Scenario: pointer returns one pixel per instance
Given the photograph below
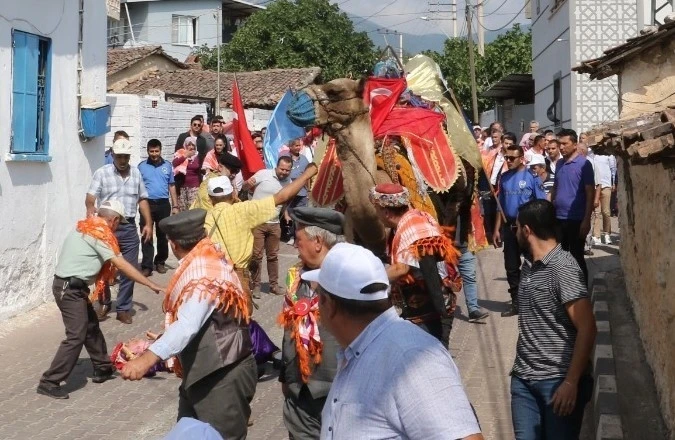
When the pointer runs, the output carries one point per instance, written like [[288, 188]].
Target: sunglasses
[[196, 124], [511, 158]]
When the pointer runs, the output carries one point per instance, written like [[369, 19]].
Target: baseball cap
[[537, 159], [347, 269], [122, 146], [115, 206], [477, 127], [219, 186]]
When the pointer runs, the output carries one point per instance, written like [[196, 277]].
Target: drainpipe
[[131, 28], [80, 39]]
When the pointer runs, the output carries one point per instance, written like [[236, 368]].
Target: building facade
[[566, 32], [45, 168], [179, 26]]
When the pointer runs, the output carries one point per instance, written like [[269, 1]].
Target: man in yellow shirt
[[229, 166], [230, 224]]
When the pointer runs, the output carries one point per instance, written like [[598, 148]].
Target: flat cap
[[324, 218], [186, 225]]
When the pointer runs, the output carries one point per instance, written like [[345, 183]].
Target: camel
[[339, 109]]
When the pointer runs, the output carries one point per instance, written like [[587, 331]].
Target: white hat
[[537, 159], [477, 127], [122, 146], [347, 269], [115, 206], [219, 186]]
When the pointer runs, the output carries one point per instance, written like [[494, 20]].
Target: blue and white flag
[[280, 130]]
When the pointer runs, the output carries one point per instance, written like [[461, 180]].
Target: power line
[[373, 15], [509, 22], [498, 8]]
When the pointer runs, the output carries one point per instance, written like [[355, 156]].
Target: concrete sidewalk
[[146, 410]]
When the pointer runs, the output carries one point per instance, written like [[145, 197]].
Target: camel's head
[[331, 106]]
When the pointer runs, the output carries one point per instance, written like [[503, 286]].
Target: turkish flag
[[380, 95], [243, 142]]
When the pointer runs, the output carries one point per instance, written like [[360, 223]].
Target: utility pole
[[453, 9], [481, 29], [400, 40], [219, 33], [472, 64], [440, 7]]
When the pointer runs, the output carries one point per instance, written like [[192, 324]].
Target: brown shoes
[[279, 291], [160, 268], [124, 317], [146, 272], [102, 312]]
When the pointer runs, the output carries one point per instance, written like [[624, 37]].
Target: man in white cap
[[230, 224], [394, 380], [538, 167], [90, 253], [121, 181]]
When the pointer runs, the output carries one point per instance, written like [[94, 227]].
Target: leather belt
[[73, 282]]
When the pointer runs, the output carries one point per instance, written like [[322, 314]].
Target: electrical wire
[[509, 22], [498, 8], [56, 26], [375, 14]]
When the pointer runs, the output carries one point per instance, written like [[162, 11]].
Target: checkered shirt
[[107, 183]]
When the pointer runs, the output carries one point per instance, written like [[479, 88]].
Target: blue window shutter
[[25, 93]]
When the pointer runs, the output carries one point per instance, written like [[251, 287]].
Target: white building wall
[[598, 25], [256, 118], [155, 24], [551, 57], [41, 201], [137, 116]]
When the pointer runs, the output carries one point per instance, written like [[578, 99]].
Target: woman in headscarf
[[211, 159], [187, 169]]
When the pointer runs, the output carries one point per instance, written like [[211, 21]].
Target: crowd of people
[[365, 346]]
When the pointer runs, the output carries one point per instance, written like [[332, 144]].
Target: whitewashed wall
[[256, 118], [137, 116], [41, 201]]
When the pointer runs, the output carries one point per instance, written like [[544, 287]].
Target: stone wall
[[647, 221], [648, 81]]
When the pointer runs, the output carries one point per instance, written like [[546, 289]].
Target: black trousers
[[82, 329], [573, 243], [489, 205], [302, 415], [159, 210], [222, 399], [512, 261]]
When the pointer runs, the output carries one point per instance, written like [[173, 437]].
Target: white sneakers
[[605, 239]]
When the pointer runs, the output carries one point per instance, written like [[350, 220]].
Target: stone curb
[[607, 420]]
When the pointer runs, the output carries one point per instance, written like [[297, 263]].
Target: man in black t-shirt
[[196, 131]]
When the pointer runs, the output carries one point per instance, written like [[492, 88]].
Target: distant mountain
[[415, 44]]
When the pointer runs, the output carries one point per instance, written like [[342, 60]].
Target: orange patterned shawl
[[97, 228], [206, 271]]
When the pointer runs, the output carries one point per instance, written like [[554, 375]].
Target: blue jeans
[[467, 269], [127, 237], [533, 416]]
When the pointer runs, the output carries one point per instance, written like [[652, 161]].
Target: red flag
[[381, 94], [243, 142]]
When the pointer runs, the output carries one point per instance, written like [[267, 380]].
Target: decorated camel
[[382, 132]]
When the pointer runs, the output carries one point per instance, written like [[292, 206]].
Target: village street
[[146, 410]]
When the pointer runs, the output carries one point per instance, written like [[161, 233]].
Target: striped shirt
[[548, 183], [107, 183], [546, 332]]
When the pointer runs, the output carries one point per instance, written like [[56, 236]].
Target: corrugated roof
[[121, 58], [262, 89], [612, 60]]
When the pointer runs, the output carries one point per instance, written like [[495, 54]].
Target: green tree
[[301, 33], [510, 53]]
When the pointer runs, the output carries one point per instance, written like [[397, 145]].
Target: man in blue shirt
[[517, 186], [158, 179], [300, 163], [573, 196]]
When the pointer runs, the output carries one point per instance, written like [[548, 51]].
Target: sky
[[404, 15]]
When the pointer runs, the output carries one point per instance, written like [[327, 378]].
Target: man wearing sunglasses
[[517, 186], [196, 124]]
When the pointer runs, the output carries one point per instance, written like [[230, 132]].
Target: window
[[30, 94], [184, 30]]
